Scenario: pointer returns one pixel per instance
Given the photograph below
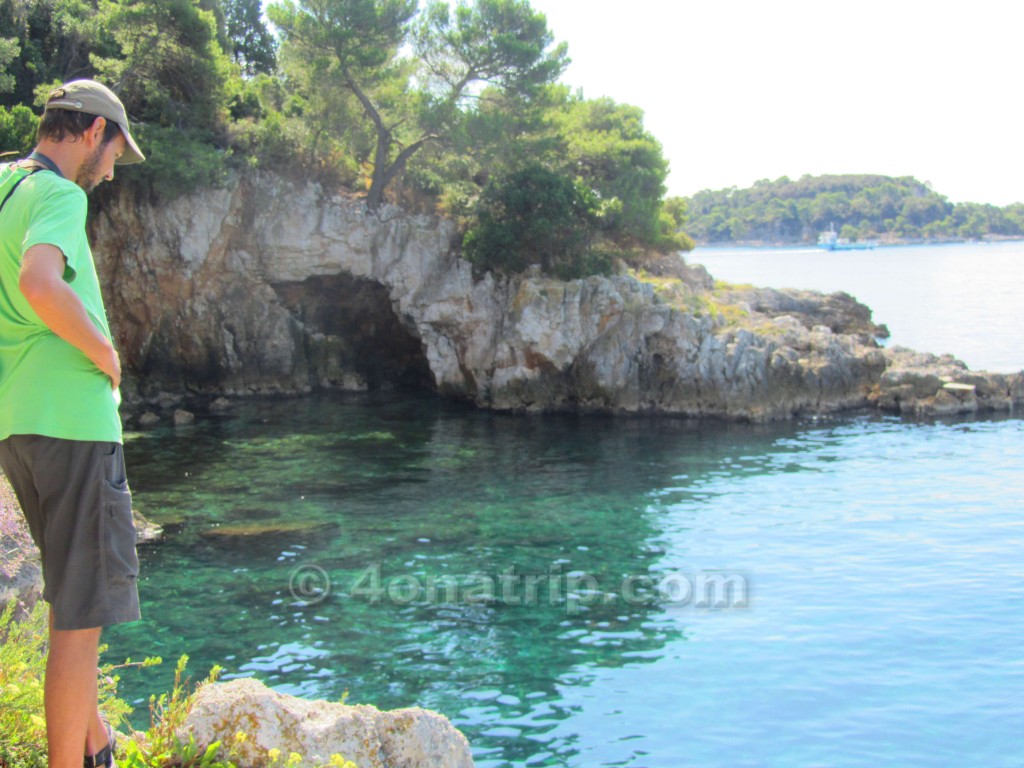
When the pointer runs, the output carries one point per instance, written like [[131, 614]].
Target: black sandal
[[105, 757]]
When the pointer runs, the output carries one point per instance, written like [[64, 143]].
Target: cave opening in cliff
[[354, 337]]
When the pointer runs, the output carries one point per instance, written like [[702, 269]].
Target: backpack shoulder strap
[[15, 186]]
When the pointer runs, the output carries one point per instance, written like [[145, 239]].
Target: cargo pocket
[[121, 562]]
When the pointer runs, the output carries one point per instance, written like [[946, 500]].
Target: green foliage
[[177, 161], [354, 35], [9, 50], [671, 236], [164, 58], [167, 743], [537, 216], [170, 69], [504, 133], [22, 718], [172, 76], [678, 210], [345, 50], [162, 744], [17, 130], [503, 43], [342, 56], [607, 148], [54, 39], [600, 145], [253, 49], [858, 206], [22, 664], [22, 714], [23, 646], [429, 104]]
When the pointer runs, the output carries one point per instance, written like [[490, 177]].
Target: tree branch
[[399, 162], [368, 106]]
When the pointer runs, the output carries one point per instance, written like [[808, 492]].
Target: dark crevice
[[354, 338]]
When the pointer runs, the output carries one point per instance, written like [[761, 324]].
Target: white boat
[[831, 241]]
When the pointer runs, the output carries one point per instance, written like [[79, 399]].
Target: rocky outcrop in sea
[[276, 286]]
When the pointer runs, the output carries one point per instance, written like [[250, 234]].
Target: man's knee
[[65, 644]]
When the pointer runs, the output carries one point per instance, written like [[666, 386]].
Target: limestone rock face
[[839, 312], [370, 738], [274, 286]]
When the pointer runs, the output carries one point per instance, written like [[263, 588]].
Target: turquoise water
[[875, 617], [882, 557]]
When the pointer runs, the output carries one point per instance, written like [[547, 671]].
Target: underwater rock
[[260, 527], [148, 419], [183, 417]]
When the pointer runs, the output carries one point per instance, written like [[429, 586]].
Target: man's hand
[[42, 283], [111, 367]]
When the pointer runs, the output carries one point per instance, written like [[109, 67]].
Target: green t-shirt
[[47, 386]]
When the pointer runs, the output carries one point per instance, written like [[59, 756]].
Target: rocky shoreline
[[270, 286]]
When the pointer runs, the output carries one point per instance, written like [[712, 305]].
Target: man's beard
[[88, 177]]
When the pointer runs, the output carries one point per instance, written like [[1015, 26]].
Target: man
[[60, 434]]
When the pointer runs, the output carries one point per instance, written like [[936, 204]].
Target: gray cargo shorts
[[75, 497]]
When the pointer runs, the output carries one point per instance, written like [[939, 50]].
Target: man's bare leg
[[70, 696], [96, 738]]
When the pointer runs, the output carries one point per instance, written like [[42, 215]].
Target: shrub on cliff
[[607, 147], [537, 216]]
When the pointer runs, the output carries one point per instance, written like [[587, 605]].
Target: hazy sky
[[740, 91]]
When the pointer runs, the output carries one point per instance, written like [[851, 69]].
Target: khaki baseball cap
[[95, 99]]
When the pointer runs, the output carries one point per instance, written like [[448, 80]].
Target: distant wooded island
[[857, 206]]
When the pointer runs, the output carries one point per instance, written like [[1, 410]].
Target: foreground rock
[[272, 286], [402, 738]]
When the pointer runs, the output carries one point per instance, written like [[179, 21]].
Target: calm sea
[[622, 591], [964, 299]]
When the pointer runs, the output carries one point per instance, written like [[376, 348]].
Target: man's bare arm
[[41, 281]]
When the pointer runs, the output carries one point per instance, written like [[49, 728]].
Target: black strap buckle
[[101, 759]]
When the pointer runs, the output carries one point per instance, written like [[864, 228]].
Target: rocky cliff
[[274, 286]]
